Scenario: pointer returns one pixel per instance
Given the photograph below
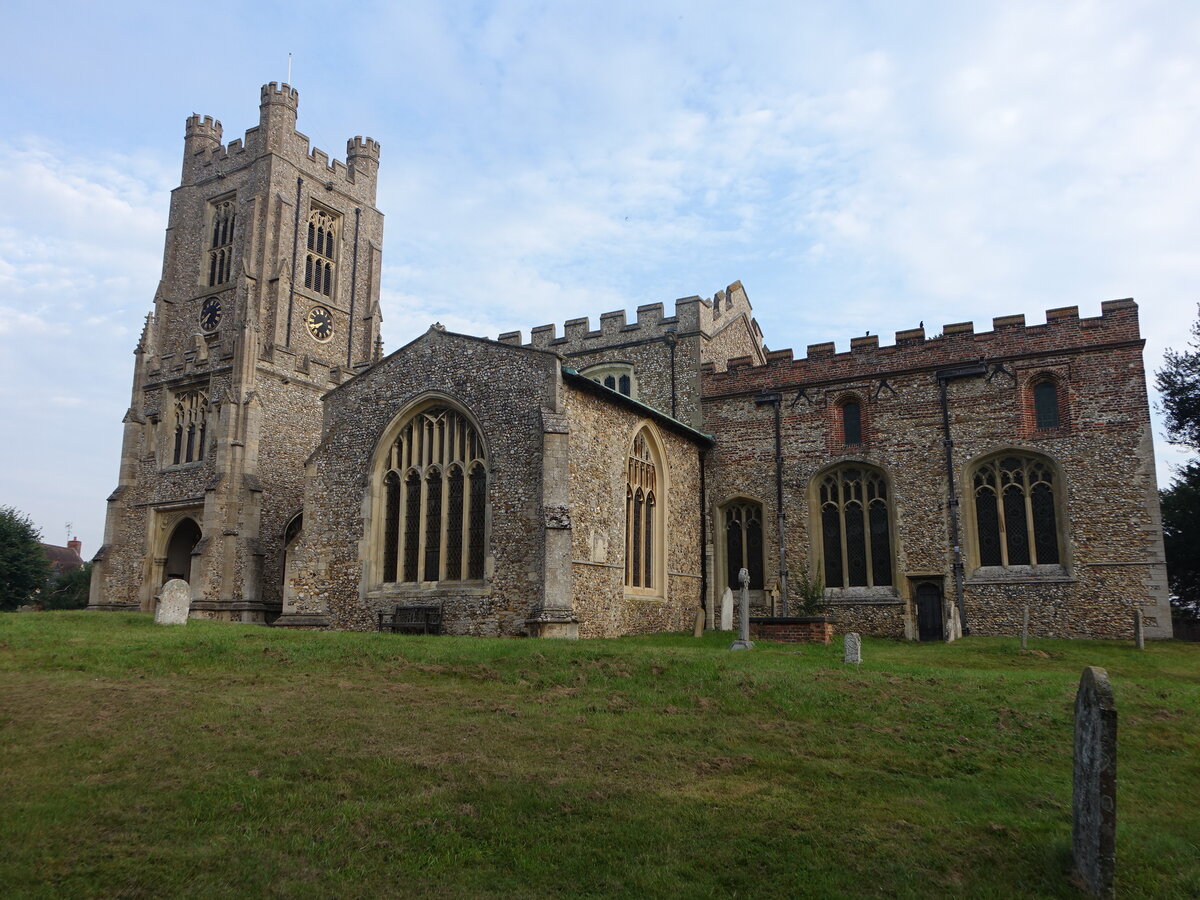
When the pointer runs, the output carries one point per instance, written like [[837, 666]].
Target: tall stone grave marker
[[1094, 806], [743, 642], [852, 644], [727, 610], [1139, 635], [174, 603]]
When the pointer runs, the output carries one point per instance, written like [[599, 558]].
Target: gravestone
[[743, 642], [1094, 802], [1025, 628], [174, 603], [852, 644], [727, 610], [1139, 636]]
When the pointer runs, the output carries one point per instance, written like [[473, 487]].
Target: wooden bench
[[412, 620]]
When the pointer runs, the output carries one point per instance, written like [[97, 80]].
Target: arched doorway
[[929, 611], [179, 551]]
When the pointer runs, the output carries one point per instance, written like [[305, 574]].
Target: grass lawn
[[226, 760]]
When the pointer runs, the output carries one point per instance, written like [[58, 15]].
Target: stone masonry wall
[[1102, 454], [601, 436], [504, 390]]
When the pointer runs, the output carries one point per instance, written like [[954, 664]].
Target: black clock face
[[320, 323], [210, 314]]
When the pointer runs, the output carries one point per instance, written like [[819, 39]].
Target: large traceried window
[[643, 516], [220, 246], [855, 512], [1016, 523], [322, 252], [743, 542], [191, 427], [435, 500]]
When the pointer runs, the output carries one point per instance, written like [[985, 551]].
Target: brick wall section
[[1103, 454], [601, 436]]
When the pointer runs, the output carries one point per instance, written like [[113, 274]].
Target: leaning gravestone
[[1139, 635], [1094, 806], [727, 610], [853, 648], [174, 603]]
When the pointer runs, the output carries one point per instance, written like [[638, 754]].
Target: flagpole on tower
[[289, 81]]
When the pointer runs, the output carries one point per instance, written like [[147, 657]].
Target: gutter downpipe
[[703, 541], [944, 376], [775, 399]]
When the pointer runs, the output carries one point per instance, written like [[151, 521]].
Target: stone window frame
[[323, 232], [220, 221], [645, 471], [1007, 571], [188, 434], [817, 561], [722, 544], [379, 499], [602, 373]]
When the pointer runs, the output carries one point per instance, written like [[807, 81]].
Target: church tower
[[269, 298]]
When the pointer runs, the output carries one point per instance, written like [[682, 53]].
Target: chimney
[[77, 546]]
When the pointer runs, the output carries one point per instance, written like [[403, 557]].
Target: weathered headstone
[[1139, 636], [852, 644], [1094, 804], [173, 603], [727, 610], [1025, 628], [698, 627], [743, 642]]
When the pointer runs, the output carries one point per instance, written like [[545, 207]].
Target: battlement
[[282, 94], [692, 314], [360, 146], [203, 126], [958, 342]]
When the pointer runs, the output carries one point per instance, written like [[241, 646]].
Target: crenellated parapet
[[205, 157], [957, 343]]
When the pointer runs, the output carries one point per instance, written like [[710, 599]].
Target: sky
[[859, 166]]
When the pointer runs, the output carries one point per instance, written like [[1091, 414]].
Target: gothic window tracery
[[1016, 521], [435, 500], [191, 427], [742, 520], [855, 533], [322, 252], [643, 513], [617, 377], [220, 246]]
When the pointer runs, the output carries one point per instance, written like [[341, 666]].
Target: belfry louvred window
[[642, 512], [322, 252], [1015, 519], [856, 546], [435, 500], [220, 246]]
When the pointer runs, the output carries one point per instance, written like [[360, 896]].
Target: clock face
[[210, 314], [320, 323]]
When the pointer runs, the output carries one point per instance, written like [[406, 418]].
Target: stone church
[[608, 480]]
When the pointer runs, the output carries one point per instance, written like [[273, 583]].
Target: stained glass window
[[1015, 519]]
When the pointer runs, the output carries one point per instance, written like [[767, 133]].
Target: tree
[[68, 590], [23, 565], [1178, 382], [1181, 535]]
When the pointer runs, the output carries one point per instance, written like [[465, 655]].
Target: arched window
[[851, 422], [220, 247], [643, 516], [191, 427], [617, 377], [1045, 404], [1016, 522], [434, 500], [855, 534], [742, 521], [322, 252]]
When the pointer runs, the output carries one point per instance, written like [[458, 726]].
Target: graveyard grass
[[224, 760]]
